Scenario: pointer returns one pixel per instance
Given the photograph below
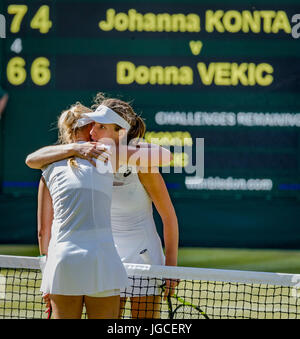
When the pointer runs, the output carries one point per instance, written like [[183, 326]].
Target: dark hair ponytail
[[138, 129]]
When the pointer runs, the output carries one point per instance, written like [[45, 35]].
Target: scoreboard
[[226, 73]]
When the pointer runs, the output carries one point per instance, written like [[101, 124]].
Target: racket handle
[[49, 311], [145, 256]]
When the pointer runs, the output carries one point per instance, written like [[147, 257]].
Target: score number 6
[[40, 72]]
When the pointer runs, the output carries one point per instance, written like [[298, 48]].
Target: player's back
[[81, 199]]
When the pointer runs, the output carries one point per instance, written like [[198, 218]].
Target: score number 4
[[40, 72], [40, 21]]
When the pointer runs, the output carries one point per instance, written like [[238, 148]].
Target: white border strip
[[11, 261], [206, 274], [176, 272]]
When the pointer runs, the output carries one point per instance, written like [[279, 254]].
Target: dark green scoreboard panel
[[228, 72]]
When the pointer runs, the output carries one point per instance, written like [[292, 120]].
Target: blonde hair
[[67, 121], [66, 125], [124, 109]]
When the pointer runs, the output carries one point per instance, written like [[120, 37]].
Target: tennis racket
[[49, 311], [186, 310]]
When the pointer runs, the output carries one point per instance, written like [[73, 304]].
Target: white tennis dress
[[132, 221], [82, 258]]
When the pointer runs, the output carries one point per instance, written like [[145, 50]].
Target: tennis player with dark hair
[[134, 191]]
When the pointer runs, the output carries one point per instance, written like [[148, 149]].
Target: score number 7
[[40, 20]]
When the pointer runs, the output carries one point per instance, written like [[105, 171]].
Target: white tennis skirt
[[72, 270]]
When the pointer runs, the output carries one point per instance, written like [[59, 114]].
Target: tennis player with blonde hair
[[134, 191], [83, 266]]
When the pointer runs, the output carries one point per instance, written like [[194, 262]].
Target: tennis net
[[200, 293]]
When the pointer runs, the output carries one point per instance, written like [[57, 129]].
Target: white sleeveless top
[[132, 220], [82, 258]]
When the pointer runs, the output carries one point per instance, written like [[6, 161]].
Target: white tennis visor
[[105, 115], [82, 122]]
